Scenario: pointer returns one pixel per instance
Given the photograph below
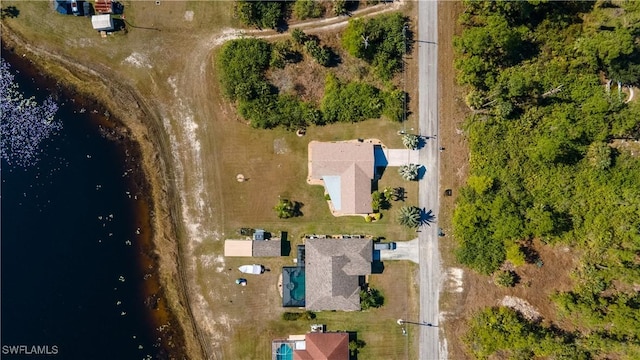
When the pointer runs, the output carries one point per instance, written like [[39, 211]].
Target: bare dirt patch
[[522, 306], [630, 146]]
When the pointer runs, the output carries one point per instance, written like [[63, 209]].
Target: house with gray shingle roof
[[346, 169], [335, 269]]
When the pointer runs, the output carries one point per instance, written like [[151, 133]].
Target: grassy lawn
[[270, 175], [239, 322], [259, 302], [256, 309]]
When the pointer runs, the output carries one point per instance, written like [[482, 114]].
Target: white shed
[[102, 22]]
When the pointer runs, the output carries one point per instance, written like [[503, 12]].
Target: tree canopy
[[502, 330], [262, 14], [244, 62], [242, 65], [380, 41], [547, 162], [356, 101], [304, 9]]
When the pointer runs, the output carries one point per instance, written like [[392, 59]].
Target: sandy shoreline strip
[[144, 128]]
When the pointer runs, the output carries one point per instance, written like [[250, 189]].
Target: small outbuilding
[[102, 22], [242, 248], [267, 248]]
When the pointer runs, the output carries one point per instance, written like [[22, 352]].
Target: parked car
[[384, 246], [74, 8]]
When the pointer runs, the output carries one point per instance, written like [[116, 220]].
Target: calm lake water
[[71, 263]]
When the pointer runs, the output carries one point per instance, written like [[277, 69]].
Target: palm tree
[[409, 172], [287, 209], [411, 141], [409, 216]]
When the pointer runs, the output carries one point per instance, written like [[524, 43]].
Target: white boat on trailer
[[252, 269]]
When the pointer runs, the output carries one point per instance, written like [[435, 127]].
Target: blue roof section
[[379, 158], [332, 184], [258, 234], [62, 6]]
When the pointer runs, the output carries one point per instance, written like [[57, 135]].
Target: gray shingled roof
[[333, 269], [267, 248]]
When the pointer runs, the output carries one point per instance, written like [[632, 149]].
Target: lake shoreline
[[128, 122]]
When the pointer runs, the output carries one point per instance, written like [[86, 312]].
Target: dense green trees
[[528, 161], [311, 45], [270, 111], [304, 9], [394, 105], [502, 330], [351, 102], [262, 14], [321, 54], [355, 101], [484, 50], [242, 65], [545, 163], [340, 7], [379, 41]]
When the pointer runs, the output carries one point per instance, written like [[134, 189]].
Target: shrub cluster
[[311, 44], [356, 101], [292, 316], [262, 14], [506, 332], [243, 63], [380, 41]]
